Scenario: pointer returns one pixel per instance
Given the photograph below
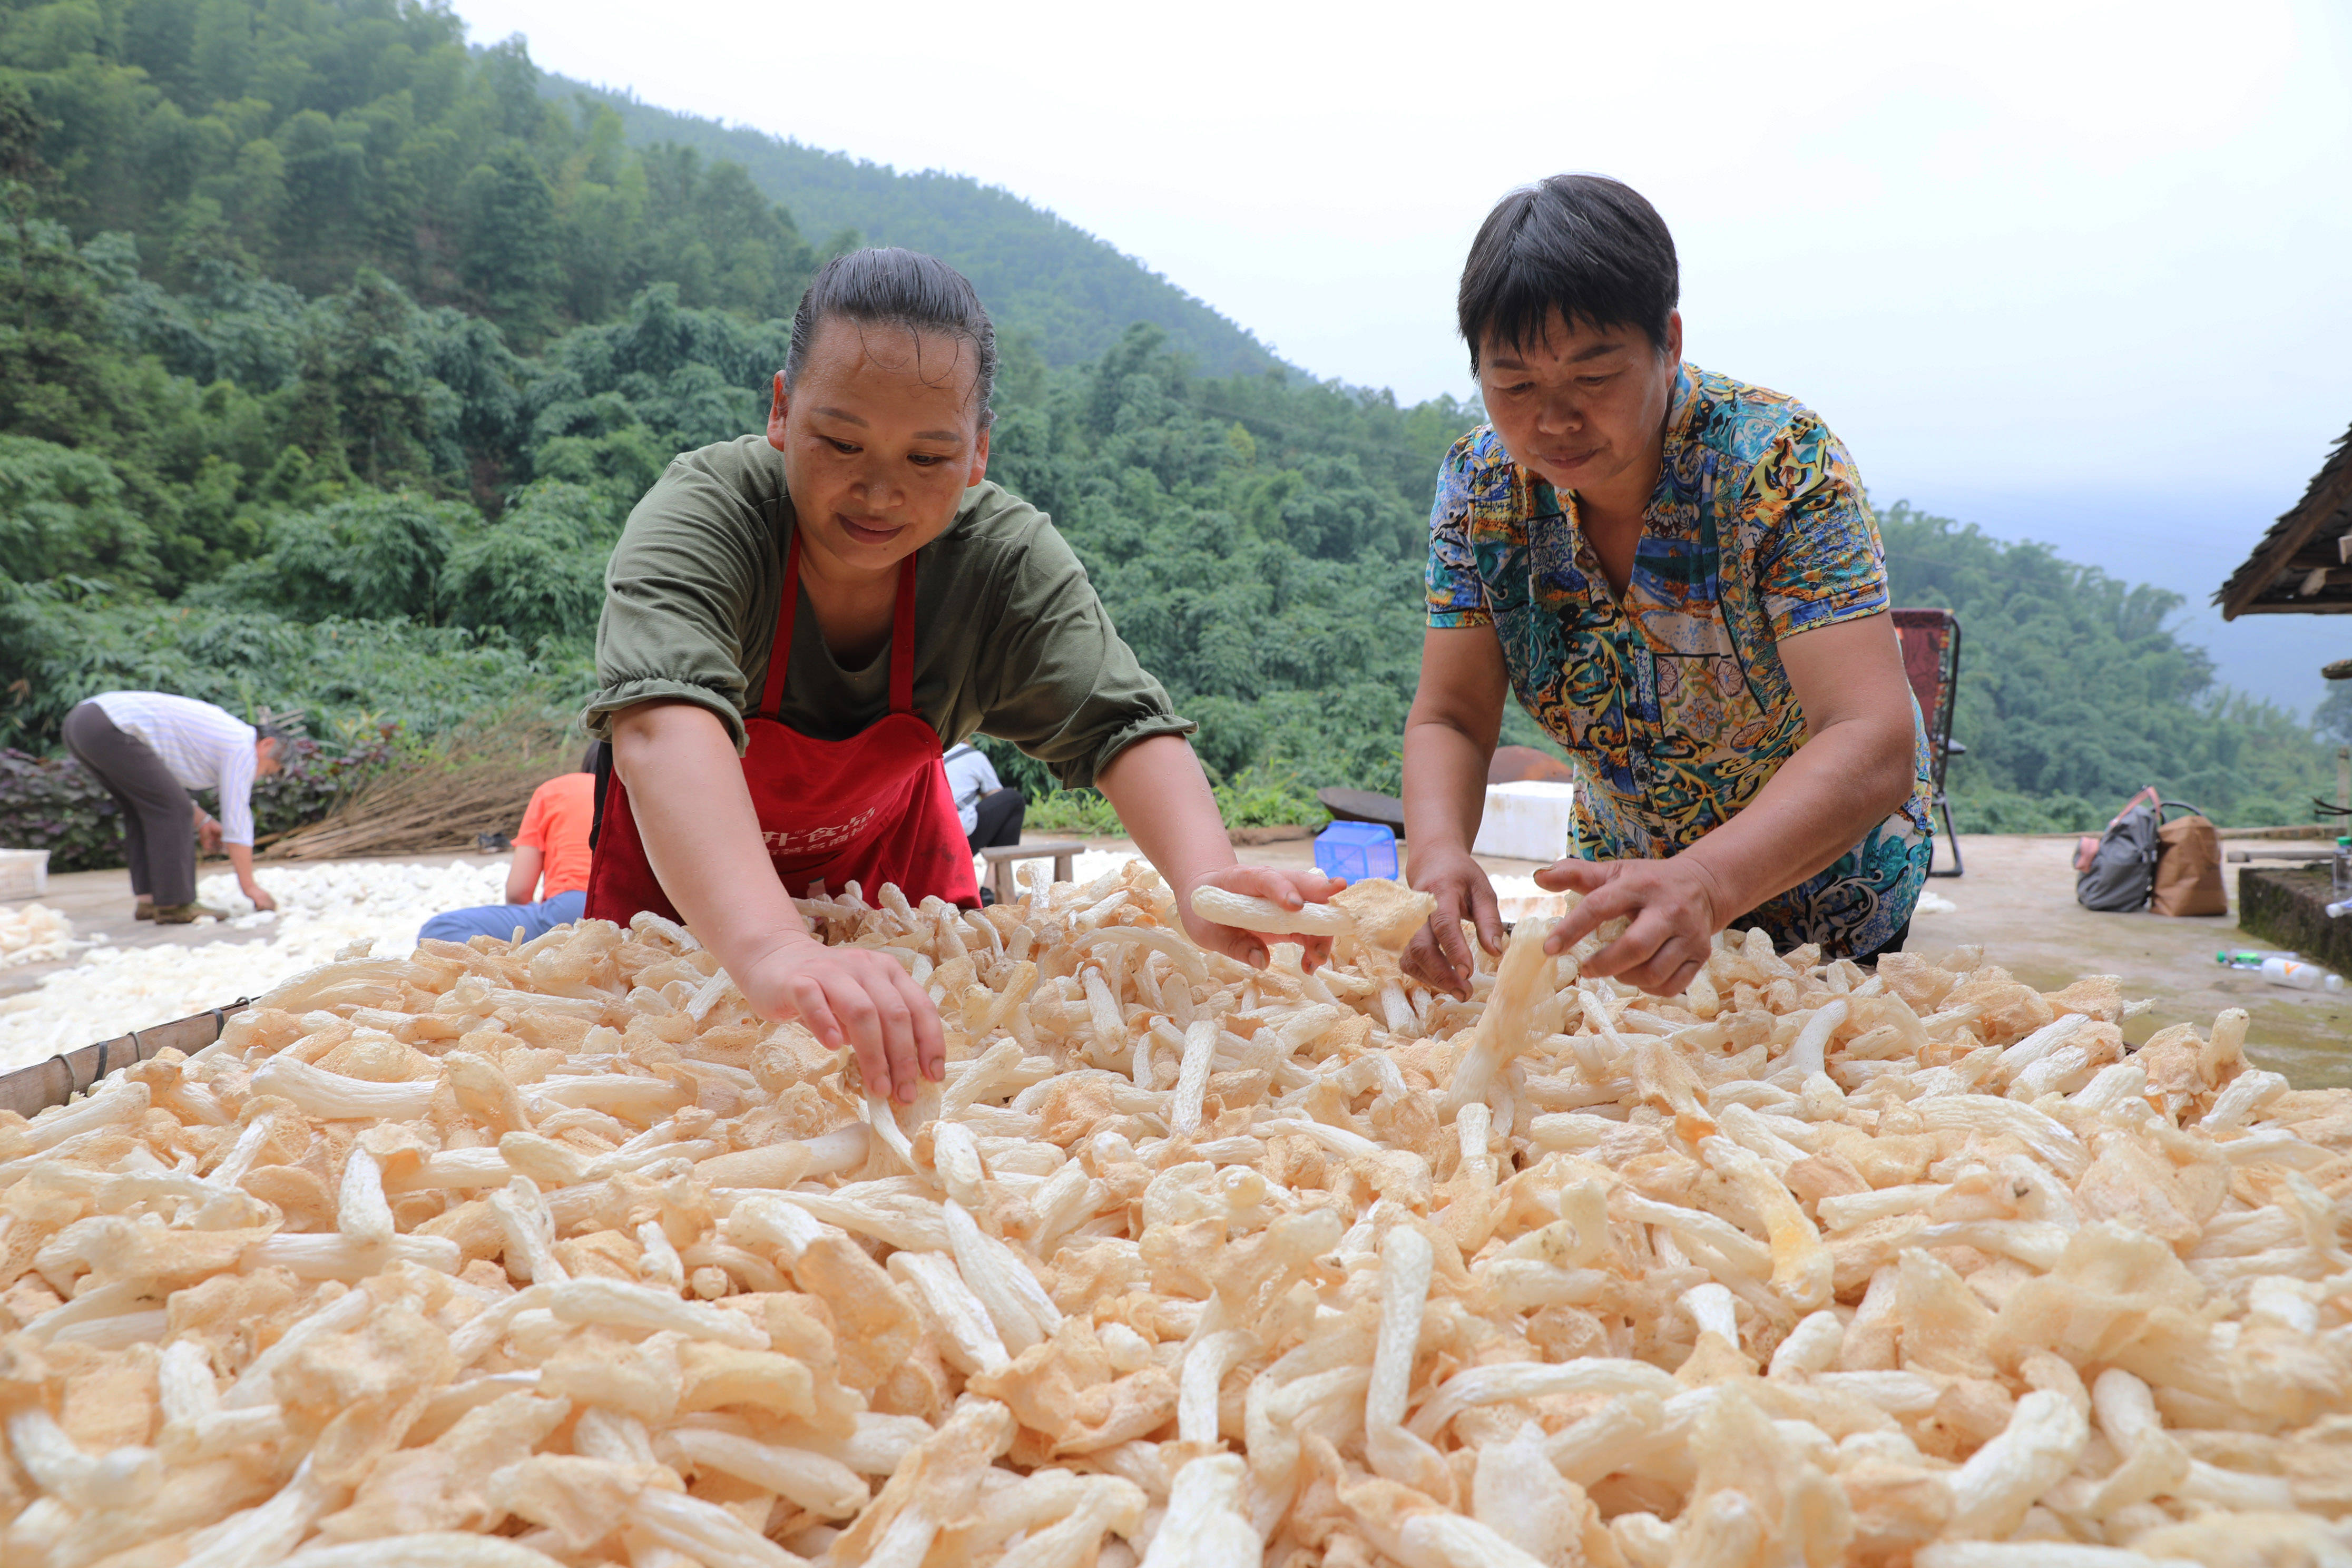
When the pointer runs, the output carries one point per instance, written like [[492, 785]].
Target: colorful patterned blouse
[[1673, 706]]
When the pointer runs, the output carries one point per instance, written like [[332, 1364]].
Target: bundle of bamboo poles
[[472, 780]]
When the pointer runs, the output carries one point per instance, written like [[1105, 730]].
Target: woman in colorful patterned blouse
[[1680, 580]]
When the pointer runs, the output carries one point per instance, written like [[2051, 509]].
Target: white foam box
[[1527, 822], [1518, 898], [24, 873]]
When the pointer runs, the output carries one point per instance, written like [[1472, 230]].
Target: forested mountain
[[310, 138], [332, 355], [2073, 694], [1071, 291], [307, 139]]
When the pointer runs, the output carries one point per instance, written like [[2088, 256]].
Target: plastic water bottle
[[2298, 976], [2339, 909], [2245, 958]]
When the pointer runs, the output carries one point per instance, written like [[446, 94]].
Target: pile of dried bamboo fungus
[[491, 1257]]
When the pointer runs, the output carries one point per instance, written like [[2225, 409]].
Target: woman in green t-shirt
[[832, 604]]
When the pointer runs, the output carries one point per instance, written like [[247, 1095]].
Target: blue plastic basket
[[1354, 851]]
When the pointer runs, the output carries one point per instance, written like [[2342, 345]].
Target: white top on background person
[[969, 776], [204, 747]]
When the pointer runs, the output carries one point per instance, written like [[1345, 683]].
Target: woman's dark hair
[[1584, 246], [896, 287]]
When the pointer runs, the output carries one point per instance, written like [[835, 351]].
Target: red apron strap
[[902, 639], [779, 655], [902, 642]]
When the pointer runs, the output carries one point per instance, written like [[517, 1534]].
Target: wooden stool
[[1063, 852]]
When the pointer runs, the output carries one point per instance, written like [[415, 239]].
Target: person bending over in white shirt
[[150, 749]]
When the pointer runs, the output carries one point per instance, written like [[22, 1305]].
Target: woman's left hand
[[1291, 889], [1675, 907]]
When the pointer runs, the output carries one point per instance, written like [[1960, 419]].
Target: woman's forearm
[[701, 832], [1820, 802], [1162, 795], [1449, 737], [1445, 785]]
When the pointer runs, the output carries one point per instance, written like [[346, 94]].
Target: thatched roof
[[2303, 564]]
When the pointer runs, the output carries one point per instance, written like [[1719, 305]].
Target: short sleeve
[[678, 592], [1819, 558], [532, 834], [1457, 596], [1059, 682]]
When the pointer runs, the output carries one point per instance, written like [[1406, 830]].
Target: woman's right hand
[[852, 998], [1438, 955]]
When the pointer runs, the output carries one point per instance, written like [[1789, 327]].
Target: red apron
[[871, 809]]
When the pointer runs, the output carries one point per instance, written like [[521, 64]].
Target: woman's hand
[[853, 997], [1439, 956], [1291, 889], [259, 895], [1676, 907]]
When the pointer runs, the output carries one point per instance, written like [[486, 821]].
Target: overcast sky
[[2075, 271]]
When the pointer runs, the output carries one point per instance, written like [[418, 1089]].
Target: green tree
[[538, 576], [374, 557], [53, 361], [509, 250], [62, 514]]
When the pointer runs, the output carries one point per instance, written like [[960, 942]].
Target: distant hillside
[[1038, 272]]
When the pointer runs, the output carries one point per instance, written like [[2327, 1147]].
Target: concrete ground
[[98, 904], [2017, 901]]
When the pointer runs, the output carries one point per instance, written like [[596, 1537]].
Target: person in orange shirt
[[550, 860]]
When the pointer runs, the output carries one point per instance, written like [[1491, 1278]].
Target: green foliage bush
[[1269, 798], [421, 677], [1263, 798], [55, 804], [539, 575], [372, 557], [1080, 811]]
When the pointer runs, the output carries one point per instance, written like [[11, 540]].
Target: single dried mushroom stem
[[1244, 912], [558, 1254], [1382, 912]]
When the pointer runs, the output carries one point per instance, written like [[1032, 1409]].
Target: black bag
[[2116, 876]]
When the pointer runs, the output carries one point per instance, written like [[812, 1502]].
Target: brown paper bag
[[2189, 869]]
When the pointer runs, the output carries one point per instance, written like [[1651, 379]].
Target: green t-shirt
[[1010, 639]]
